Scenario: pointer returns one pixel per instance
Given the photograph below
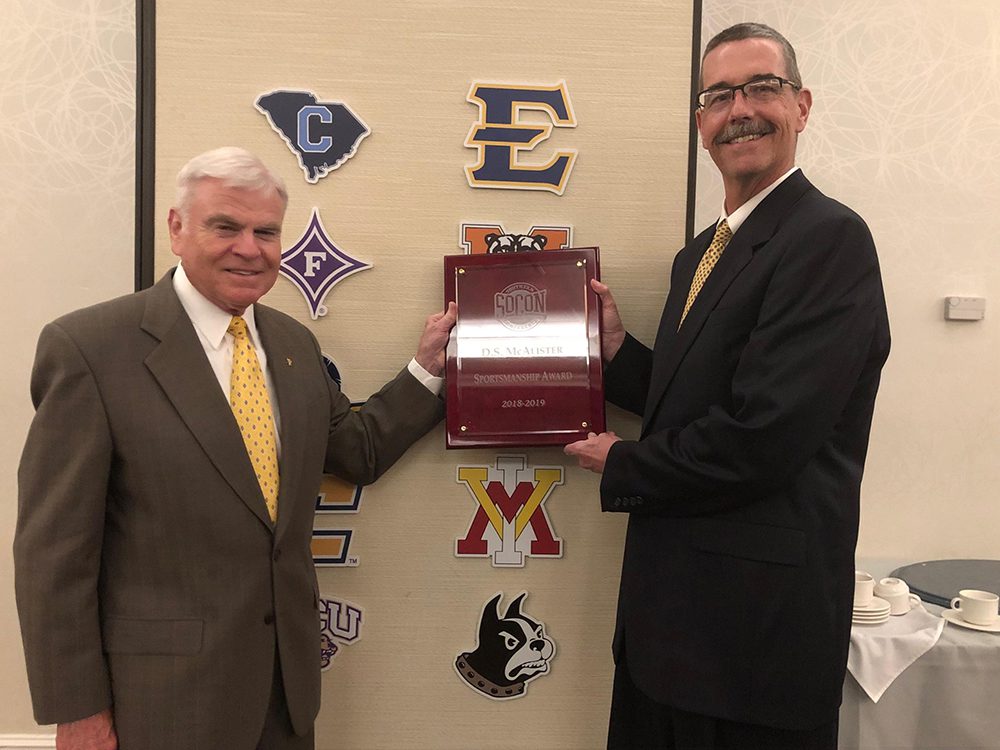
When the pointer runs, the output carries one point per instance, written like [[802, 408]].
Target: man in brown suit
[[161, 606]]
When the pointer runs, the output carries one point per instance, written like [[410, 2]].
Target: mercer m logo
[[510, 521], [487, 239], [502, 135]]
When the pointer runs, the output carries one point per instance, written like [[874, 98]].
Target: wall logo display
[[331, 547], [337, 496], [501, 136], [510, 521], [511, 651], [339, 624], [315, 265], [483, 239], [323, 135]]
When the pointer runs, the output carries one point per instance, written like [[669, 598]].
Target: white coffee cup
[[900, 604], [977, 607], [897, 593], [864, 588], [891, 587]]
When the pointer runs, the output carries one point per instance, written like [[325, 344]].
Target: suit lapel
[[672, 345], [179, 365]]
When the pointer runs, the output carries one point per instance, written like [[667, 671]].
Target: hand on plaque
[[613, 332], [430, 350], [592, 453]]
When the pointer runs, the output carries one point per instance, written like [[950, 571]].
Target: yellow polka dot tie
[[252, 409], [706, 264]]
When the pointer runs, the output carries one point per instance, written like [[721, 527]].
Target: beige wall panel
[[67, 110], [405, 68]]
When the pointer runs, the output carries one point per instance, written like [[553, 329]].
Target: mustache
[[743, 128]]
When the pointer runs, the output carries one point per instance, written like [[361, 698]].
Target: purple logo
[[315, 265], [339, 621]]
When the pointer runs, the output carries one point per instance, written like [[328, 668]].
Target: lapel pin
[[289, 361]]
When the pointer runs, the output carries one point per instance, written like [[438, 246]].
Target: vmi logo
[[479, 239], [501, 134], [510, 521]]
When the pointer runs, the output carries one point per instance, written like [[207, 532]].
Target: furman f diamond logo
[[510, 521], [315, 265]]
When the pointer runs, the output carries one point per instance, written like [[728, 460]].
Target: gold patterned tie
[[706, 264], [252, 409]]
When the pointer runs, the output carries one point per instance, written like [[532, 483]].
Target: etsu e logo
[[501, 136]]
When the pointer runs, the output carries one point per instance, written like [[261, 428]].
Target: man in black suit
[[734, 611]]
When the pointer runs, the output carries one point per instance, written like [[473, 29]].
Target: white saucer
[[872, 621], [955, 618], [876, 606]]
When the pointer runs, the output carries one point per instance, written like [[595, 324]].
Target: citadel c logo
[[322, 135], [500, 135], [510, 501]]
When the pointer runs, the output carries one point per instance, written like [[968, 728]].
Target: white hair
[[235, 167]]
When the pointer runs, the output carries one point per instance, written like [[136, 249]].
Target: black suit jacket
[[743, 489]]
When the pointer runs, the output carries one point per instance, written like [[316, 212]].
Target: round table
[[939, 581]]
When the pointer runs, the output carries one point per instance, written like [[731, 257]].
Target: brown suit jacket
[[148, 574]]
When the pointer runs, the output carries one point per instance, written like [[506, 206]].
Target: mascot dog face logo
[[514, 243], [512, 651]]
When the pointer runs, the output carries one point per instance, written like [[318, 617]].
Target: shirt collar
[[212, 322], [737, 217]]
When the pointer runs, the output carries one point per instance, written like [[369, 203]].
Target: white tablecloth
[[948, 699]]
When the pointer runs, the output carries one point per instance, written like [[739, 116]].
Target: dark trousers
[[640, 723], [278, 733]]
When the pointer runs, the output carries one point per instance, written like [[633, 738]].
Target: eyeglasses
[[758, 90]]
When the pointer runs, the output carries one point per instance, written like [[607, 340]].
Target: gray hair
[[742, 31], [235, 167]]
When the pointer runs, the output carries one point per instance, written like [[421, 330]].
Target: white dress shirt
[[737, 217]]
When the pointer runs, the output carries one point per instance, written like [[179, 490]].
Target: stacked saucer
[[873, 613]]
